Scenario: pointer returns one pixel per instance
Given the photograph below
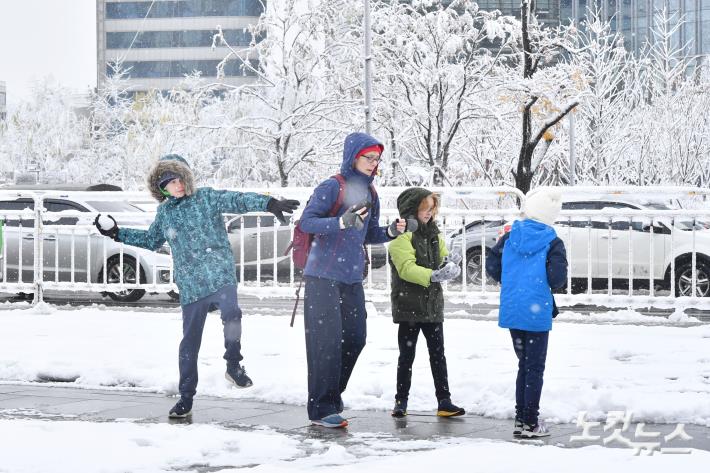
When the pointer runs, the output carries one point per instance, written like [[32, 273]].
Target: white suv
[[645, 241], [590, 236]]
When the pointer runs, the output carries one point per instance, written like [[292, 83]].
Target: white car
[[590, 237], [645, 241], [57, 245]]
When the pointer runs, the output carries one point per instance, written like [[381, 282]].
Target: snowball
[[105, 222]]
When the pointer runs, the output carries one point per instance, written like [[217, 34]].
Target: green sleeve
[[150, 239], [443, 251], [405, 261]]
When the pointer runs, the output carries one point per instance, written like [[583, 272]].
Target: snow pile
[[591, 367]]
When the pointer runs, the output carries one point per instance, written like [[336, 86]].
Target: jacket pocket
[[412, 298]]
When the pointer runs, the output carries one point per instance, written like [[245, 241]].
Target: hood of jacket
[[408, 207], [530, 236], [174, 163], [355, 142]]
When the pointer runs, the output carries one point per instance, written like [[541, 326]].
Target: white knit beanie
[[543, 204]]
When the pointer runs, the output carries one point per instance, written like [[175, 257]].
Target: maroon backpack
[[300, 246]]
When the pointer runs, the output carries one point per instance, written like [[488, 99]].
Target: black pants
[[407, 336]]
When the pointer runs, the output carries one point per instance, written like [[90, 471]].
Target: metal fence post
[[39, 252]]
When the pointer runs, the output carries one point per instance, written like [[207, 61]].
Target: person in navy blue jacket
[[334, 301], [529, 262]]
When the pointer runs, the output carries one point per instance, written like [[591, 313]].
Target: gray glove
[[453, 257], [412, 225], [352, 219], [449, 271]]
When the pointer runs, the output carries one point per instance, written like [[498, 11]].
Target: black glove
[[112, 232], [278, 207], [412, 225], [353, 219]]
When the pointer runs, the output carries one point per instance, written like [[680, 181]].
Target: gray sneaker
[[518, 427], [535, 431]]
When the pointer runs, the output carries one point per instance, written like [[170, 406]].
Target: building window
[[184, 8], [158, 69], [174, 39]]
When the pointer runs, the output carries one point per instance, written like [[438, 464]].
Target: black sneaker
[[518, 427], [237, 375], [447, 409], [182, 409], [400, 409]]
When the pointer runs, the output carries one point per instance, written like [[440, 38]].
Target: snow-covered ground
[[660, 373], [71, 447]]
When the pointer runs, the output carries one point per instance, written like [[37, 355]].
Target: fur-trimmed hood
[[176, 164]]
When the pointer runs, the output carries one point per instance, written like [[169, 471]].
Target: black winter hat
[[166, 177]]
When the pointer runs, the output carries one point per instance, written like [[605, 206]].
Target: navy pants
[[531, 350], [407, 336], [335, 323], [193, 323]]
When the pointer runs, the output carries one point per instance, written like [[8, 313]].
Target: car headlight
[[164, 250]]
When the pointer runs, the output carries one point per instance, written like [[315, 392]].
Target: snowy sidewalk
[[33, 401], [93, 386]]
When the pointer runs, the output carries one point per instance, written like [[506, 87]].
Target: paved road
[[60, 403]]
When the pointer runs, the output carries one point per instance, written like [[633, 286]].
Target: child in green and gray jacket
[[420, 262]]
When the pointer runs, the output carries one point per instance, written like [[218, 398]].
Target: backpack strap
[[298, 298], [341, 195]]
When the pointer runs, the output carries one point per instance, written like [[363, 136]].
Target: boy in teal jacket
[[191, 221]]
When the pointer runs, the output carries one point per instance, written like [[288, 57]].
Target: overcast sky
[[47, 38]]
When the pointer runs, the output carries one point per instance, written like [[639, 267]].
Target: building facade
[[159, 42], [632, 18], [635, 18], [546, 11]]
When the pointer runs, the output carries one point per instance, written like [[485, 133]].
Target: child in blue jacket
[[334, 302], [529, 262]]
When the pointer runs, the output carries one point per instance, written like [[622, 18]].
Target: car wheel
[[684, 279], [113, 276], [474, 267], [579, 286]]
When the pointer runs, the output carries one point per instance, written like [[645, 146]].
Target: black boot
[[400, 409], [447, 409]]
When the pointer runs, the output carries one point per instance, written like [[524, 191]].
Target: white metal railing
[[618, 257]]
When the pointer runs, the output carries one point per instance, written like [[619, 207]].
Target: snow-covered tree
[[605, 106], [294, 108], [437, 63], [547, 94], [44, 134]]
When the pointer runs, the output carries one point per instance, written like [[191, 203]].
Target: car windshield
[[113, 206]]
